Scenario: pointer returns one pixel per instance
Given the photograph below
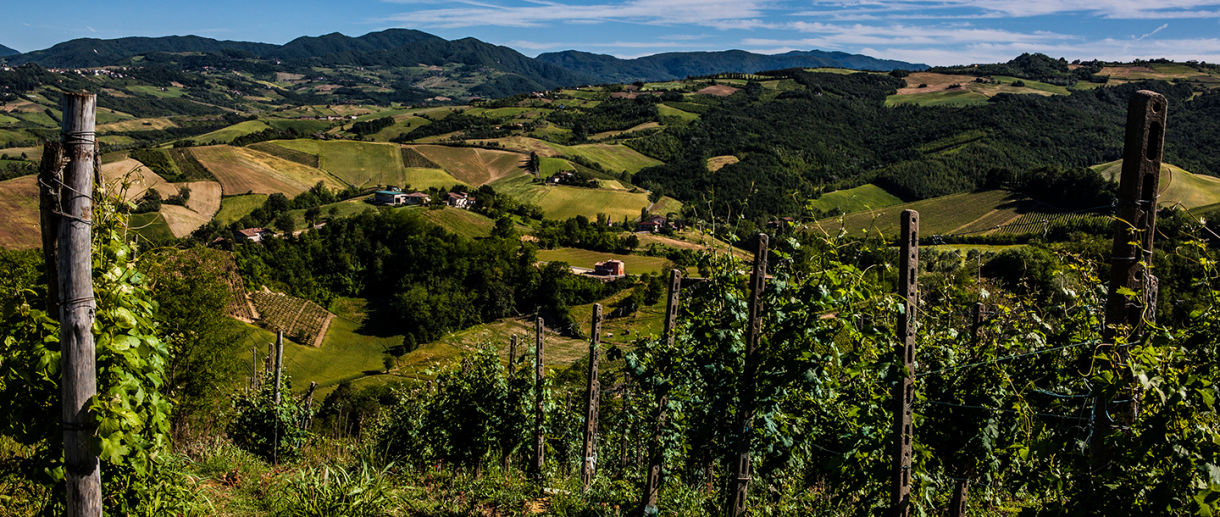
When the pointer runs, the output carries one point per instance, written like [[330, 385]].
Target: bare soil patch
[[935, 82], [716, 163], [718, 90]]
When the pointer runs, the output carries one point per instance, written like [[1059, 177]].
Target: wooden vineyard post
[[1138, 190], [741, 483], [591, 404], [50, 190], [976, 324], [904, 389], [253, 367], [652, 483], [76, 304], [307, 419], [539, 407]]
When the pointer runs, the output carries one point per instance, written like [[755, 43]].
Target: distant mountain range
[[404, 47], [679, 65]]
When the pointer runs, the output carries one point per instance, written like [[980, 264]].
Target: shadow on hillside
[[379, 319]]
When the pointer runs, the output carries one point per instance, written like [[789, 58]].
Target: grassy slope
[[241, 170], [672, 111], [976, 211], [950, 98], [151, 226], [1178, 186], [234, 208], [864, 197], [19, 204], [562, 202], [462, 222], [358, 163], [636, 264], [226, 135], [613, 157]]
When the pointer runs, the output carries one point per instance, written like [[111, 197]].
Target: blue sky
[[934, 32]]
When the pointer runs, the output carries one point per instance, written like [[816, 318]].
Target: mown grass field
[[941, 98], [675, 112], [473, 166], [563, 202], [135, 124], [716, 163], [342, 209], [232, 209], [1178, 186], [613, 157], [19, 204], [357, 163], [975, 212], [462, 222], [151, 226], [864, 197], [636, 264], [226, 135], [242, 170]]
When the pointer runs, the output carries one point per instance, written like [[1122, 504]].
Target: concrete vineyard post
[[904, 389], [1134, 231], [539, 401], [591, 404], [745, 436], [656, 455]]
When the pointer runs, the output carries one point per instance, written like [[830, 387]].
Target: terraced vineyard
[[301, 320], [239, 304], [1044, 222], [412, 158]]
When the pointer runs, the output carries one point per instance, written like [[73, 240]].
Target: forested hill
[[5, 51], [679, 65], [836, 131], [392, 48], [91, 52]]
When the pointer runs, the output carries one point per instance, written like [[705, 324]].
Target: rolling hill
[[5, 51], [679, 65], [1178, 187]]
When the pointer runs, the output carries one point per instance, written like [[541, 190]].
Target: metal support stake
[[745, 435], [904, 389]]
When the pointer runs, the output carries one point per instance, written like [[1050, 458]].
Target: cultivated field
[[200, 208], [137, 124], [141, 178], [474, 166], [19, 204], [614, 157], [462, 222], [671, 111], [232, 209], [301, 320], [241, 170], [716, 163], [938, 93], [357, 163]]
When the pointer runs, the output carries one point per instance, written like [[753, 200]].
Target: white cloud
[[712, 13], [923, 9]]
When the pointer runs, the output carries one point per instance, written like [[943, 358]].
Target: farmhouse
[[652, 224], [398, 198], [458, 199], [610, 268], [253, 235]]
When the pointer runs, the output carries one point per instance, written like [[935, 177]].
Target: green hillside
[[864, 197], [1178, 186], [563, 202]]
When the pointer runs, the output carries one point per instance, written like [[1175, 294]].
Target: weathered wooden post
[[904, 389], [656, 455], [591, 403], [76, 304], [745, 435], [307, 419], [977, 317], [50, 206], [253, 367], [1131, 255], [539, 401]]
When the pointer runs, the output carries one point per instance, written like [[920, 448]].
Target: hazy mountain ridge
[[5, 51], [679, 65]]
